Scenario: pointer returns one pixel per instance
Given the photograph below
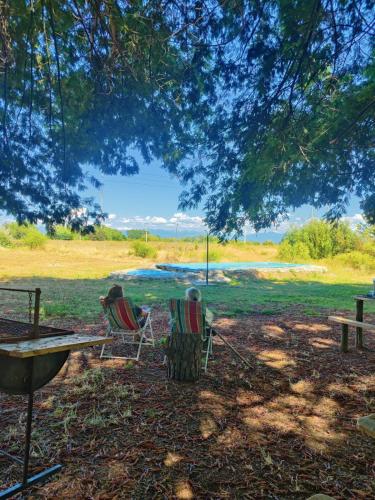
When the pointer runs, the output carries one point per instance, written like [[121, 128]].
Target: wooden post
[[359, 331], [344, 338], [184, 356]]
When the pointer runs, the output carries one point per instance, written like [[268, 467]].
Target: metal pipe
[[28, 424], [35, 332], [234, 350], [11, 457], [207, 241]]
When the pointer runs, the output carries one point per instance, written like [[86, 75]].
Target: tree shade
[[256, 106]]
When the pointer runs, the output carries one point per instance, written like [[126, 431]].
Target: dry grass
[[72, 274], [96, 259]]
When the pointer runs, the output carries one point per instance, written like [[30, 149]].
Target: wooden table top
[[46, 345], [364, 298]]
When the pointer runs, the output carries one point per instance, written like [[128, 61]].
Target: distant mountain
[[260, 237]]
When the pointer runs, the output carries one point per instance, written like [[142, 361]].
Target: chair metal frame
[[125, 333], [209, 351]]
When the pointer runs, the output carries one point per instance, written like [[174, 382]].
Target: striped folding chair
[[189, 317], [123, 322]]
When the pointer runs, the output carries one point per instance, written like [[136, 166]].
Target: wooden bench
[[346, 322]]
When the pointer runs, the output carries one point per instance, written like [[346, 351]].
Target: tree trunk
[[184, 356]]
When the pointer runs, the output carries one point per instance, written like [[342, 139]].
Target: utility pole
[[207, 245]]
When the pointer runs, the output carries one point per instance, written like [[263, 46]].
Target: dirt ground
[[284, 429]]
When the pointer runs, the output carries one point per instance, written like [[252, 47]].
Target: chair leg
[[151, 332], [108, 334], [102, 351], [140, 344], [207, 354]]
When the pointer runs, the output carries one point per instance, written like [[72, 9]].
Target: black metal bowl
[[15, 372]]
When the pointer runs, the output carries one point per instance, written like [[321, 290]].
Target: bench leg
[[344, 338], [359, 331]]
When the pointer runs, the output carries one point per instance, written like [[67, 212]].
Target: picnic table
[[360, 299], [358, 323]]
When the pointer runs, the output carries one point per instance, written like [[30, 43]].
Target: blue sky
[[149, 200]]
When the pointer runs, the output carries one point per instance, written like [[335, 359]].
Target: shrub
[[369, 248], [357, 260], [214, 255], [26, 234], [104, 233], [17, 231], [344, 239], [62, 233], [322, 239], [34, 239], [136, 234], [144, 250], [293, 253], [5, 240]]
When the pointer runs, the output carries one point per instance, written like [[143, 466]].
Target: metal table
[[30, 356]]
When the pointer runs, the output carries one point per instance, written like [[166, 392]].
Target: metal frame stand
[[27, 482]]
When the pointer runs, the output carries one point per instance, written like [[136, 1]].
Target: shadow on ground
[[285, 429]]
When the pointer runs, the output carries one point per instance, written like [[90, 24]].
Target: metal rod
[[234, 350], [28, 423], [11, 457], [207, 242], [18, 290], [35, 332]]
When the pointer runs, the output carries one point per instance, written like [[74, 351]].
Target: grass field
[[72, 274]]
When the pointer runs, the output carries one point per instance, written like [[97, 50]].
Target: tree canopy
[[88, 83], [295, 122], [256, 106]]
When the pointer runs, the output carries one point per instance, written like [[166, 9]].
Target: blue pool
[[153, 273], [197, 269], [226, 266]]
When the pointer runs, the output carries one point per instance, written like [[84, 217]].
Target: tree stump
[[184, 356]]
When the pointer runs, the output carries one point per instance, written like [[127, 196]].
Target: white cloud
[[179, 219], [111, 216], [354, 220]]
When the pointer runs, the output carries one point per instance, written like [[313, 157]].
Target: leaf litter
[[285, 429]]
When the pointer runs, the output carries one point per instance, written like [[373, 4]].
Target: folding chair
[[123, 322], [189, 317]]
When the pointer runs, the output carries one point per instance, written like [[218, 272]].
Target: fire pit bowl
[[15, 372], [30, 356]]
